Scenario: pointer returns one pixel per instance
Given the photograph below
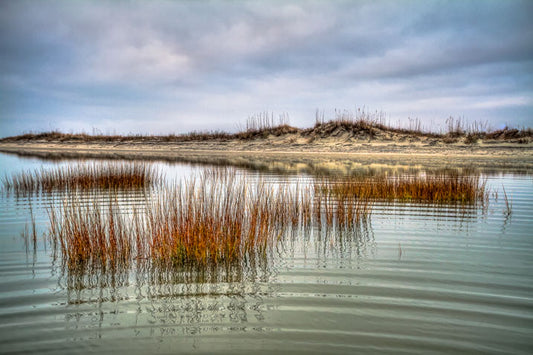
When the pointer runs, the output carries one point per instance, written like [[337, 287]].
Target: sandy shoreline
[[271, 155]]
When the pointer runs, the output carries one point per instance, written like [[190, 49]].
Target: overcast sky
[[178, 66]]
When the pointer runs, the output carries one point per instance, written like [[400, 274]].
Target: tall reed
[[220, 218], [91, 235], [508, 204]]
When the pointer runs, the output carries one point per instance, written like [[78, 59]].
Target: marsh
[[410, 274]]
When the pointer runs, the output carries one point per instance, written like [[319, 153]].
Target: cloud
[[180, 65]]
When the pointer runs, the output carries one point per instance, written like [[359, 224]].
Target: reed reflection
[[326, 244], [151, 300]]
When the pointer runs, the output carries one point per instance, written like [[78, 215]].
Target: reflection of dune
[[327, 158]]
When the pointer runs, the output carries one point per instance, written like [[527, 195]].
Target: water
[[417, 279]]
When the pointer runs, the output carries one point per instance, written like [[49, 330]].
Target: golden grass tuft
[[218, 219], [221, 219], [83, 176], [90, 234], [431, 187]]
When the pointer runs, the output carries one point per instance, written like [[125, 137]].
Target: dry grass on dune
[[361, 125]]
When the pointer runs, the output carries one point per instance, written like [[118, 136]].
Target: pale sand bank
[[266, 154]]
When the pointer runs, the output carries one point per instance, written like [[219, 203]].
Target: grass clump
[[215, 220], [439, 187], [220, 218], [110, 175], [89, 235]]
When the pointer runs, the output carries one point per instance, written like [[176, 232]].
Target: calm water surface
[[416, 279]]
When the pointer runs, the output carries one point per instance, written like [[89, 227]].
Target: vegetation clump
[[110, 175], [218, 219], [222, 219], [437, 187], [361, 124]]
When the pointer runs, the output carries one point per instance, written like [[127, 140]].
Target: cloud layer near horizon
[[177, 66]]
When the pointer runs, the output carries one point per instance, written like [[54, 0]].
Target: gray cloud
[[164, 66]]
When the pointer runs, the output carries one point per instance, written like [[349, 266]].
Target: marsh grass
[[110, 175], [219, 218], [90, 235], [219, 221], [431, 187], [216, 220]]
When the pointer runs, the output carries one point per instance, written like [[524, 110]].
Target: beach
[[294, 152]]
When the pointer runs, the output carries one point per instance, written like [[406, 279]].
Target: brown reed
[[432, 187], [90, 235], [508, 204], [334, 208], [83, 176], [219, 218]]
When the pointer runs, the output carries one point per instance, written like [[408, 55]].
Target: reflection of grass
[[83, 176], [440, 187]]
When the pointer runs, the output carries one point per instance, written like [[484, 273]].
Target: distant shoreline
[[332, 145], [266, 155]]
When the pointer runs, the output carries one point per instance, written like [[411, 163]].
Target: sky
[[161, 67]]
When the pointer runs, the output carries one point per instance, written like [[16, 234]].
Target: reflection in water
[[325, 164], [326, 244], [190, 300], [322, 244], [170, 301]]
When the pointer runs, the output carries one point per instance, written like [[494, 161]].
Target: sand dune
[[329, 146]]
